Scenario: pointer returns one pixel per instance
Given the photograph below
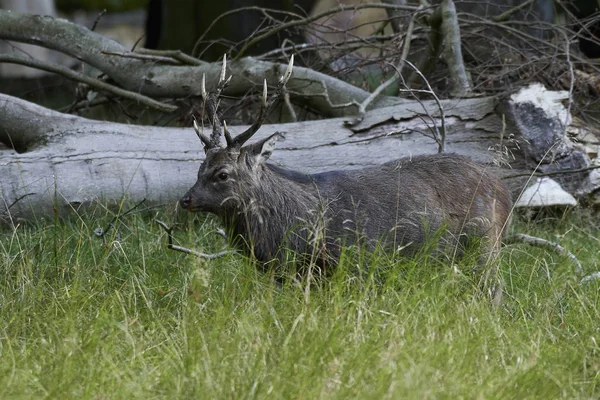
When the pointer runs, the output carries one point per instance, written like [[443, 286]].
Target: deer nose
[[185, 201]]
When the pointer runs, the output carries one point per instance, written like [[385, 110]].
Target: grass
[[80, 318]]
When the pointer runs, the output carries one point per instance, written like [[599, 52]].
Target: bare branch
[[237, 10], [595, 276], [171, 246], [453, 54], [174, 54], [323, 93], [539, 242], [95, 83], [439, 135], [347, 43], [552, 173], [100, 15], [407, 39], [143, 57], [395, 16], [101, 233], [305, 21], [506, 15]]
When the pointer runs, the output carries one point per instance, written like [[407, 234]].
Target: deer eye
[[223, 176]]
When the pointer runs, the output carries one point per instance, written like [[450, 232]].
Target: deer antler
[[211, 105], [265, 107]]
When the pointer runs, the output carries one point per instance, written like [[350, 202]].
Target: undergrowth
[[82, 317]]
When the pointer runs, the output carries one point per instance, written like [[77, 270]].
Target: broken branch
[[171, 246]]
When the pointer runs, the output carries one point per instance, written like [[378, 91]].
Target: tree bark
[[43, 7]]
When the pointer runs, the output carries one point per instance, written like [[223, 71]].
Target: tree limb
[[171, 246], [321, 92], [88, 80], [539, 242], [453, 54]]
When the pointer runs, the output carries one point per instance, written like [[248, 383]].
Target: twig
[[506, 15], [101, 233], [237, 10], [81, 104], [395, 16], [135, 45], [307, 20], [541, 174], [100, 15], [221, 233], [17, 200], [539, 242], [5, 214], [439, 135], [174, 54], [196, 253], [347, 43], [96, 83], [362, 109], [143, 57]]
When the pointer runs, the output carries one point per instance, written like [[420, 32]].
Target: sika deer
[[270, 209]]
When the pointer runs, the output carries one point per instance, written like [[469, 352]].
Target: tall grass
[[125, 318]]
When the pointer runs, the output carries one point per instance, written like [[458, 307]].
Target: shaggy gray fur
[[400, 203]]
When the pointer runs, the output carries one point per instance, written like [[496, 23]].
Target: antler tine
[[227, 134], [202, 136], [203, 87], [223, 69], [265, 106], [211, 105]]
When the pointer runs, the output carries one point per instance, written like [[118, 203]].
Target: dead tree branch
[[453, 54], [305, 21], [406, 48], [438, 134], [543, 243], [171, 246], [93, 82], [325, 94], [174, 54]]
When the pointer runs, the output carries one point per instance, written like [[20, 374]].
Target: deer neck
[[281, 203]]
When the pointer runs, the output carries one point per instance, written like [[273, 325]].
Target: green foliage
[[80, 318]]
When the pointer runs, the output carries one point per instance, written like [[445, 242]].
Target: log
[[70, 163]]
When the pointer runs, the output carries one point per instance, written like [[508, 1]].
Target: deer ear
[[261, 151]]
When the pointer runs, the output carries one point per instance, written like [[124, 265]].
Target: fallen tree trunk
[[72, 162]]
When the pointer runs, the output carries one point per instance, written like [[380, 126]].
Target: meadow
[[123, 317]]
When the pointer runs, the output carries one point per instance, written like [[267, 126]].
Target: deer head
[[230, 172]]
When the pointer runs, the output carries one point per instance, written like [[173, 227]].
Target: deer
[[271, 210]]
